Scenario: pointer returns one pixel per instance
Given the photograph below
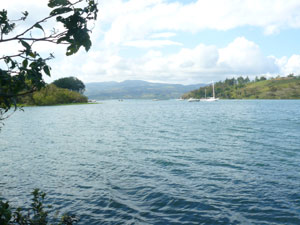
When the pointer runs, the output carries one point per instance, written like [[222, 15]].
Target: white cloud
[[163, 35], [245, 57], [291, 65], [200, 64], [271, 29], [151, 43]]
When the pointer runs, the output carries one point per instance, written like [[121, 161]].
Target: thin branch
[[30, 28], [17, 95], [17, 37], [50, 38], [1, 31], [12, 56]]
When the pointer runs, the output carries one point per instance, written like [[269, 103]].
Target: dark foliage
[[71, 83], [36, 214]]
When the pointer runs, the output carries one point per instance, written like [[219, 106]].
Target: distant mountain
[[136, 89]]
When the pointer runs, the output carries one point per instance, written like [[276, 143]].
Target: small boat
[[210, 99], [193, 100]]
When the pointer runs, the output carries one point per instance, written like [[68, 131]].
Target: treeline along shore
[[260, 88]]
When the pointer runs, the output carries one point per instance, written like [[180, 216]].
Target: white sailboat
[[210, 99], [193, 100]]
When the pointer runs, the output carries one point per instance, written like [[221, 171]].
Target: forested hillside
[[261, 88]]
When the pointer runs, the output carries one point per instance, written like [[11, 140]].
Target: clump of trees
[[62, 91], [71, 83], [52, 95], [227, 88]]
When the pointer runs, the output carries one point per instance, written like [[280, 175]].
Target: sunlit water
[[158, 162]]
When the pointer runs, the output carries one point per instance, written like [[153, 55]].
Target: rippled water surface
[[158, 162]]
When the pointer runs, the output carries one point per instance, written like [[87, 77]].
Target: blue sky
[[182, 41], [285, 43]]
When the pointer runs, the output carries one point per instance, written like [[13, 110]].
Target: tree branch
[[11, 56], [17, 95]]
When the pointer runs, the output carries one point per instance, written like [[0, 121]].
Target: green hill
[[243, 88]]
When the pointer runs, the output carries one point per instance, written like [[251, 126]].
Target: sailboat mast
[[213, 86], [205, 93]]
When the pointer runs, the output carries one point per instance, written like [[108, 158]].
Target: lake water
[[158, 162]]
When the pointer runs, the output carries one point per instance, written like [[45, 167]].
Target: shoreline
[[65, 104]]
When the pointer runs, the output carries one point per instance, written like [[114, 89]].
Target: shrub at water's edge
[[35, 214], [52, 95], [260, 88]]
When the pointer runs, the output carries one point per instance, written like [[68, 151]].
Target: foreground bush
[[35, 214]]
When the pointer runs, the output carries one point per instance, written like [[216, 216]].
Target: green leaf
[[25, 15], [33, 65], [47, 70], [7, 60], [61, 40], [60, 11], [72, 49], [37, 25], [25, 44], [33, 55], [55, 3], [25, 63], [87, 45], [13, 64]]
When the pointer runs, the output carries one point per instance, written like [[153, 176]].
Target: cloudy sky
[[179, 41]]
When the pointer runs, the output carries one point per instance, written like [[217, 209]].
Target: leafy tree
[[247, 80], [230, 82], [71, 83], [24, 70], [262, 78]]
